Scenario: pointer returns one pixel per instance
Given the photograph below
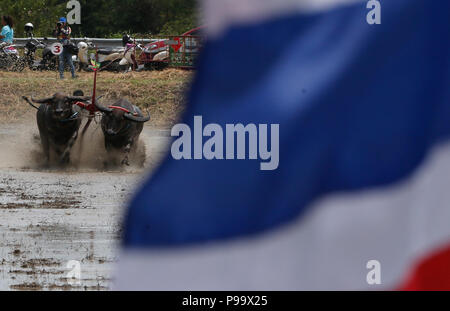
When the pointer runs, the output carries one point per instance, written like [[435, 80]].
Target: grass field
[[161, 92]]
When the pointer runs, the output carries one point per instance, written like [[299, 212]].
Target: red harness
[[89, 107], [119, 108], [123, 109]]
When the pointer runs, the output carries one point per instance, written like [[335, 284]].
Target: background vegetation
[[105, 18]]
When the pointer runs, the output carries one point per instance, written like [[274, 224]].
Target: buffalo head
[[61, 105], [118, 117]]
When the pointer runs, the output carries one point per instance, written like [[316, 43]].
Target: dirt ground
[[159, 92], [52, 217]]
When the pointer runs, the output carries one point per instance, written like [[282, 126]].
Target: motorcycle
[[30, 49], [155, 55], [129, 58], [108, 59], [83, 56], [50, 61], [10, 59]]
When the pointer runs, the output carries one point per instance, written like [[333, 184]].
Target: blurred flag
[[361, 195]]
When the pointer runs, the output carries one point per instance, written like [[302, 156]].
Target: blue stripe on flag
[[359, 106]]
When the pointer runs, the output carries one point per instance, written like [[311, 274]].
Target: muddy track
[[49, 218]]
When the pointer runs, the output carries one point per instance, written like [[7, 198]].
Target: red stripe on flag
[[433, 273]]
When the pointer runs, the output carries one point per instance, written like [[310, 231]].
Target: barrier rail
[[181, 51], [104, 43]]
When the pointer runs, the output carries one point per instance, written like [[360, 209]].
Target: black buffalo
[[122, 123], [58, 125]]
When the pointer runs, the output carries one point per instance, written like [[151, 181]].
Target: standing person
[[63, 32], [7, 33]]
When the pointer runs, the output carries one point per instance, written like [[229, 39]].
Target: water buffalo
[[58, 125], [122, 123]]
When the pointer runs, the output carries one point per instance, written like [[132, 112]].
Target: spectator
[[7, 33], [63, 32]]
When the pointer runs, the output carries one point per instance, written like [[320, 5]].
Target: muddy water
[[59, 223]]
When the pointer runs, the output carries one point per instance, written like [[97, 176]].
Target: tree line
[[105, 18]]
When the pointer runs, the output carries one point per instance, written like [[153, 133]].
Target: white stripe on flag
[[219, 14], [328, 249]]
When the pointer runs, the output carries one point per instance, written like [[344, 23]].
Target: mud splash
[[52, 217]]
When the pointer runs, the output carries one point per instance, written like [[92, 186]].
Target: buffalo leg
[[65, 158], [108, 159], [46, 149], [43, 133], [126, 160]]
